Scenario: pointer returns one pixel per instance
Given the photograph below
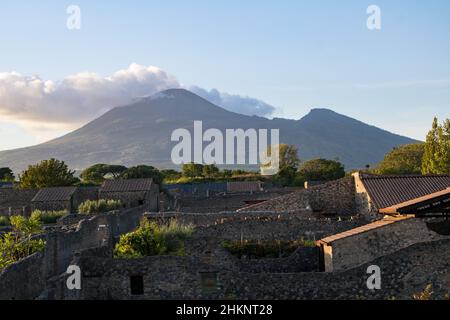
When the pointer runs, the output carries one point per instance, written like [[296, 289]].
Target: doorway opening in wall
[[141, 202], [137, 285]]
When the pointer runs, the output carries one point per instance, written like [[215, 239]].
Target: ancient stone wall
[[24, 280], [226, 202], [61, 246], [166, 277], [355, 250], [52, 205], [17, 200], [259, 225], [331, 198]]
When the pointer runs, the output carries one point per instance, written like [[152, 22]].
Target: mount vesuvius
[[140, 133]]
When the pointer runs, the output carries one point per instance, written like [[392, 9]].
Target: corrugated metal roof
[[387, 191], [54, 194], [371, 226], [131, 185]]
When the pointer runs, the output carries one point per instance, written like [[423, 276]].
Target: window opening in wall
[[137, 285], [208, 281]]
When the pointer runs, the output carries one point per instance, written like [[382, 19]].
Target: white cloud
[[235, 103], [78, 98], [46, 106]]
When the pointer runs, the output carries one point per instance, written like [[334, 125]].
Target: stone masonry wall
[[367, 246], [331, 198], [61, 246], [260, 225], [404, 273], [16, 199]]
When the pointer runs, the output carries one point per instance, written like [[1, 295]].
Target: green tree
[[47, 173], [436, 159], [289, 157], [210, 171], [170, 174], [288, 162], [99, 172], [143, 172], [6, 174], [406, 159], [321, 170], [192, 170]]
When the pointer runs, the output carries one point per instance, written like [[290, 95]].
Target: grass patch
[[48, 217], [152, 239], [99, 206], [265, 249]]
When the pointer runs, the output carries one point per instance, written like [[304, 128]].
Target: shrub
[[48, 217], [18, 244], [99, 206], [265, 249], [152, 239], [4, 221], [426, 294]]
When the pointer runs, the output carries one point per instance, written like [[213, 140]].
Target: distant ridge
[[140, 133]]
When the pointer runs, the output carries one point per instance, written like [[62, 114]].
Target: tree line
[[431, 157]]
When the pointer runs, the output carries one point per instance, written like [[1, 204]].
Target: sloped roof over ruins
[[54, 194], [434, 202], [122, 185], [365, 228], [387, 191]]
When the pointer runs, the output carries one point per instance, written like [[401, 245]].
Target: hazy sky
[[293, 55]]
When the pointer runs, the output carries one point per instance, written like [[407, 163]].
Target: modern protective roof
[[365, 228], [54, 194], [387, 191], [122, 185]]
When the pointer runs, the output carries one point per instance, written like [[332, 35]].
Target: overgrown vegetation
[[19, 244], [265, 249], [48, 217], [99, 206], [4, 221], [152, 239]]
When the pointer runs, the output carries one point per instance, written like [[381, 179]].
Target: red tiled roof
[[387, 191], [54, 194], [131, 185]]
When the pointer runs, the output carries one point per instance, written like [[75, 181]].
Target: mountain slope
[[140, 133]]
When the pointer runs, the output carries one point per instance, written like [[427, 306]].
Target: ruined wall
[[17, 200], [149, 199], [24, 280], [331, 198], [367, 246], [363, 203], [166, 277], [52, 206], [259, 225], [83, 194], [218, 203], [61, 246]]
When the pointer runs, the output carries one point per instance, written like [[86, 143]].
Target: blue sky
[[293, 55]]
